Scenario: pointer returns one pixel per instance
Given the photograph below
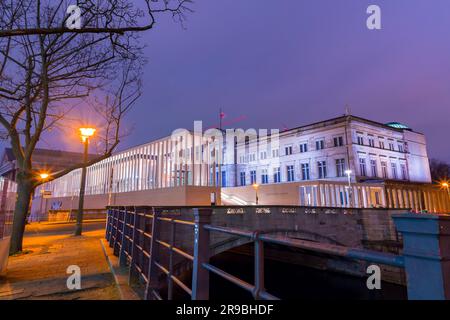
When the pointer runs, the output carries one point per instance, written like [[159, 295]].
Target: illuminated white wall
[[190, 160]]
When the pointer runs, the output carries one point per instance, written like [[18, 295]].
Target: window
[[373, 167], [276, 175], [320, 144], [243, 182], [394, 170], [288, 150], [303, 147], [362, 166], [322, 168], [404, 171], [275, 153], [340, 167], [371, 141], [305, 171], [400, 146], [391, 146], [384, 169], [338, 141], [263, 155], [252, 176], [381, 142], [264, 176], [253, 157], [290, 173], [360, 140]]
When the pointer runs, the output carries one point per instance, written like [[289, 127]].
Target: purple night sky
[[286, 63]]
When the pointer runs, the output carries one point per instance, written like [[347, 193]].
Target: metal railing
[[136, 236], [134, 233]]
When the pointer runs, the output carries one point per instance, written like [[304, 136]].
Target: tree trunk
[[24, 193]]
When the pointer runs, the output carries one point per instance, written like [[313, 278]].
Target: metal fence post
[[132, 270], [259, 266], [169, 276], [200, 276], [108, 224], [122, 254], [426, 248], [113, 223], [153, 272], [116, 234]]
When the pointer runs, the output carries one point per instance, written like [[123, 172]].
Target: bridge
[[161, 244]]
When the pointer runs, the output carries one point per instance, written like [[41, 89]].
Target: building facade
[[326, 150], [341, 162]]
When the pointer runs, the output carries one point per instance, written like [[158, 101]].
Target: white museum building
[[347, 161]]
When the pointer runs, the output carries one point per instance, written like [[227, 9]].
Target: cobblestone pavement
[[41, 273]]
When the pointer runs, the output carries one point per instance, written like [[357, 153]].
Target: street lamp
[[43, 176], [256, 186], [446, 186], [85, 133], [350, 193]]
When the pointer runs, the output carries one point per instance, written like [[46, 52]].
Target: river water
[[288, 281]]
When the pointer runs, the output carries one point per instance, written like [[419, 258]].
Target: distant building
[[325, 150], [43, 160]]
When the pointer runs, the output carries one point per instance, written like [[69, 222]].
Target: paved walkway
[[41, 274]]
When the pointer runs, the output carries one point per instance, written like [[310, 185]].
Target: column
[[330, 198], [319, 195], [383, 198], [333, 195], [369, 197]]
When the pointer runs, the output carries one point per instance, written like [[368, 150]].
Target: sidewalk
[[41, 274]]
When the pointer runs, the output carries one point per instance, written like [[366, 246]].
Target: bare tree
[[46, 70], [106, 13], [440, 170]]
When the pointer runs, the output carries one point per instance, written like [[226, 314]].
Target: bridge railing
[[135, 234]]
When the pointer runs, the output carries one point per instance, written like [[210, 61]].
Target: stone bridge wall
[[357, 228]]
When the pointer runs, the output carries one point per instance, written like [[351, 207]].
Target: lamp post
[[86, 133], [256, 186], [43, 176], [350, 191]]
